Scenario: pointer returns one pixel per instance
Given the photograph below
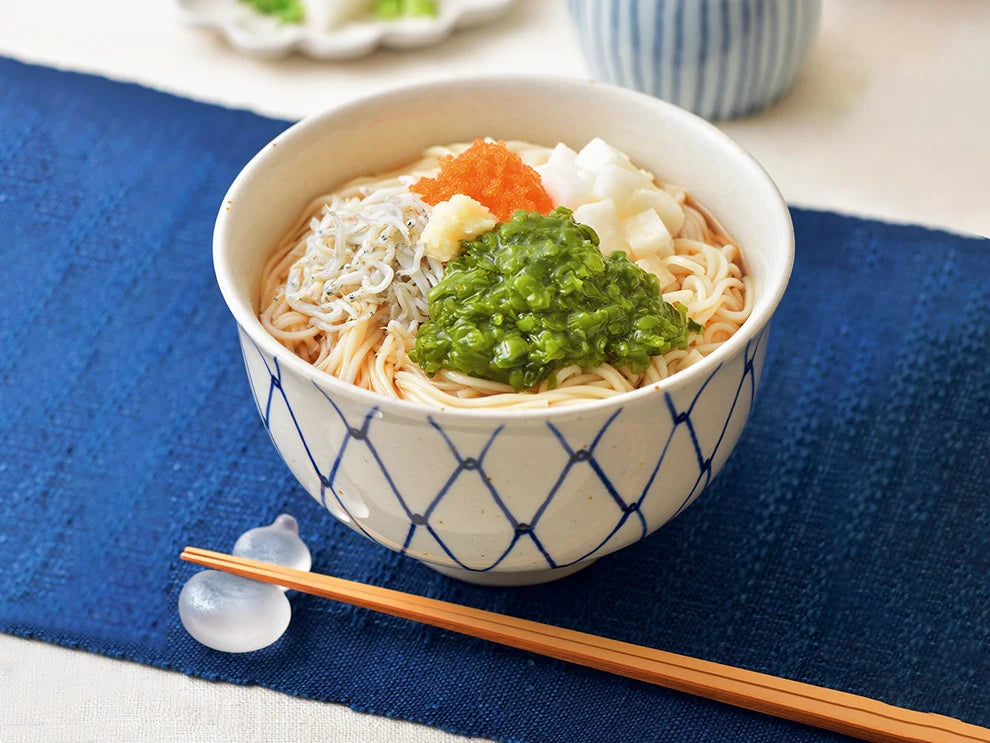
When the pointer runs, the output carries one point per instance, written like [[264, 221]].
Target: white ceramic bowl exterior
[[718, 58], [487, 496]]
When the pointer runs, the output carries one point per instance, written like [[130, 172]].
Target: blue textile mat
[[846, 543]]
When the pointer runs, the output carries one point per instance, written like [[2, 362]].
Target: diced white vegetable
[[647, 235], [661, 202], [460, 218], [654, 264], [618, 184], [597, 154], [602, 217], [327, 14], [562, 179], [562, 155], [568, 190]]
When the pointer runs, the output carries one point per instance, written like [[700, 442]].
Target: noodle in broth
[[341, 295]]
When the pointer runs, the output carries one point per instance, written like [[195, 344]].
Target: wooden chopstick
[[839, 711]]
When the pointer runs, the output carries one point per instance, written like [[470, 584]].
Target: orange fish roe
[[490, 174]]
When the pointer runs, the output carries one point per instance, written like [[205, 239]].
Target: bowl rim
[[249, 323]]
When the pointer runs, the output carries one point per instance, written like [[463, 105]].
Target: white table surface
[[888, 119]]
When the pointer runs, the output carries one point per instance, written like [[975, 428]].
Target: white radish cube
[[646, 235], [655, 265], [662, 203], [562, 155], [597, 154], [603, 218], [618, 184], [565, 183]]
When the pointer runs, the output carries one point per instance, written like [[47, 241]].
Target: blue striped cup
[[718, 58]]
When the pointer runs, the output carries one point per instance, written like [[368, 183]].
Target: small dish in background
[[720, 60], [264, 36]]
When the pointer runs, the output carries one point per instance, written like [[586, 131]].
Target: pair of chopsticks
[[839, 711]]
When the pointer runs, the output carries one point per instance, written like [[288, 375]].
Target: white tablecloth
[[888, 119]]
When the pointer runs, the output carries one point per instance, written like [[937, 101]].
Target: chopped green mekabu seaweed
[[535, 295]]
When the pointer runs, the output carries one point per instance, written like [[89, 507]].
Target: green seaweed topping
[[535, 295]]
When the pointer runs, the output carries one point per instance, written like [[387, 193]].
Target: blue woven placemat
[[846, 543]]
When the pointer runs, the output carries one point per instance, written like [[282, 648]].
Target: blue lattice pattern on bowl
[[591, 481]]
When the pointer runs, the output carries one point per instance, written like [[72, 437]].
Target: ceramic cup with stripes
[[718, 58]]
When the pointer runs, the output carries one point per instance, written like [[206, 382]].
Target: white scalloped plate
[[262, 36]]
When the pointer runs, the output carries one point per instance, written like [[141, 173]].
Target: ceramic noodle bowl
[[510, 497]]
